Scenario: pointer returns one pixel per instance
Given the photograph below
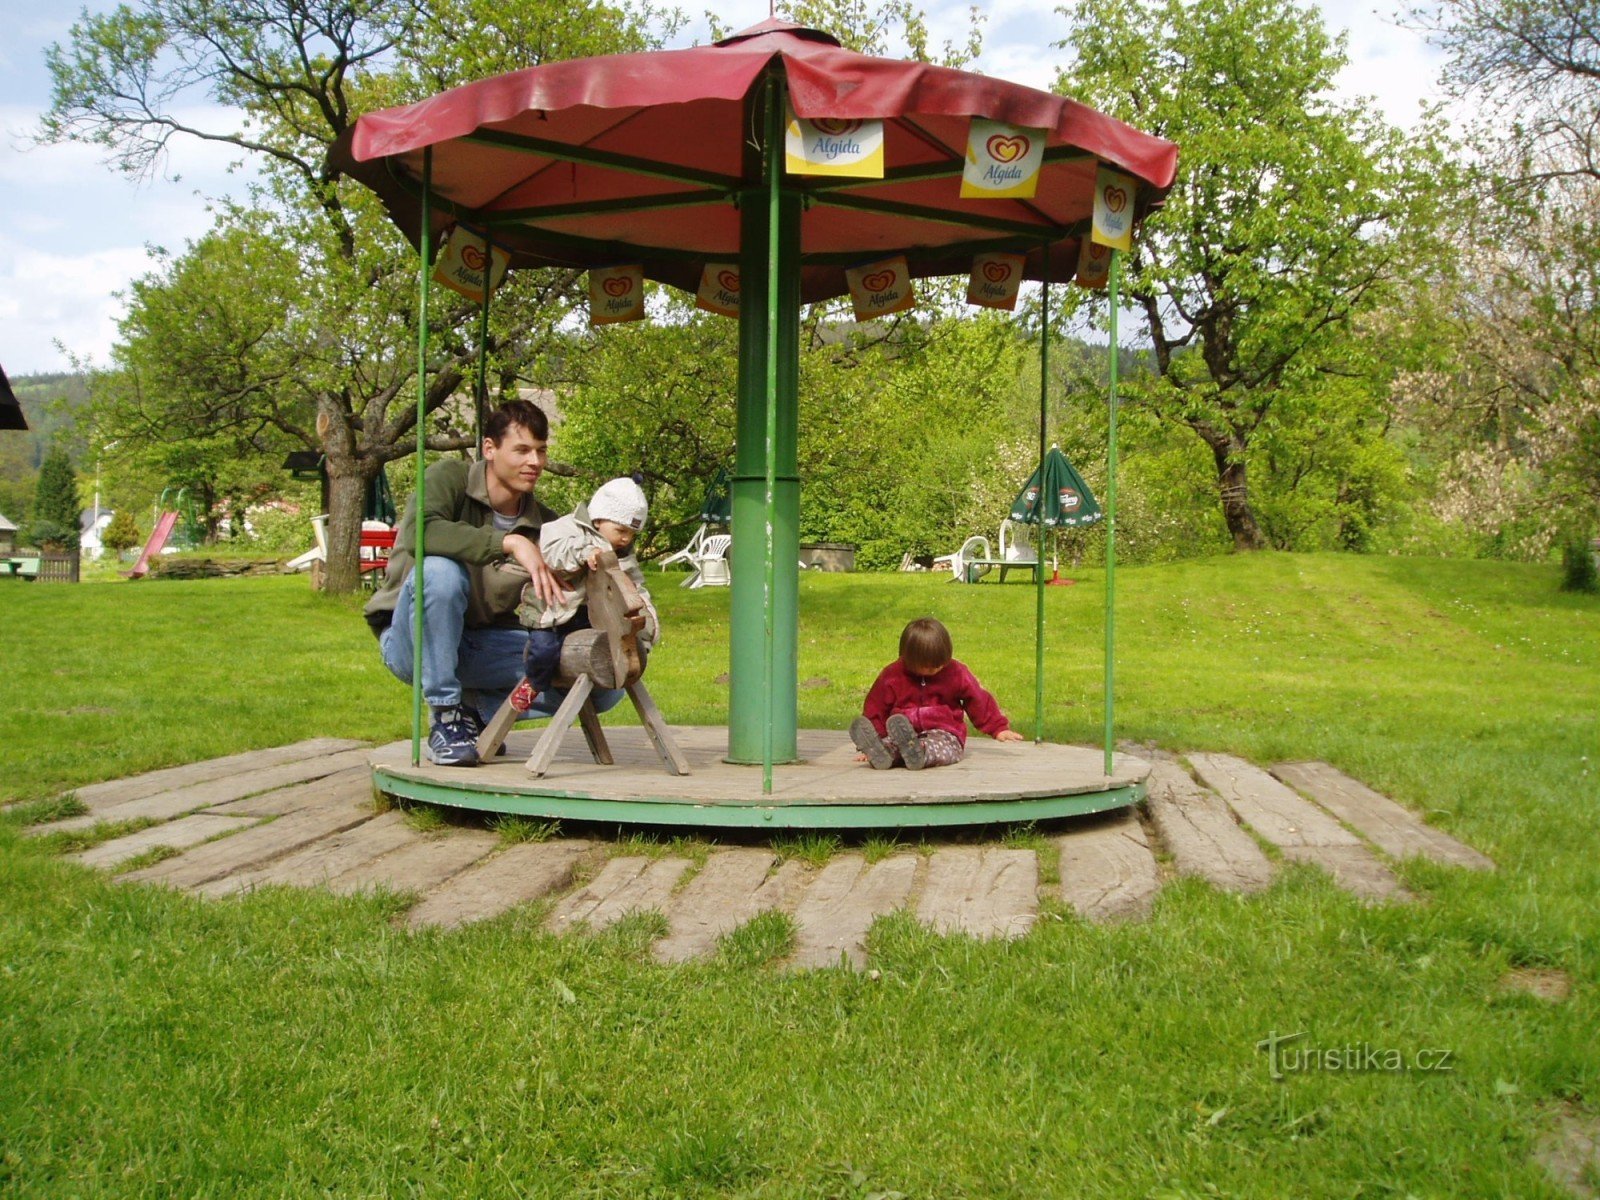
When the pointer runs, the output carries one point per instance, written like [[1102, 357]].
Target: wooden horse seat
[[605, 655]]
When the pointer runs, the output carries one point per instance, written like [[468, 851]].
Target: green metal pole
[[770, 503], [766, 487], [1038, 571], [425, 243], [483, 339], [1111, 511]]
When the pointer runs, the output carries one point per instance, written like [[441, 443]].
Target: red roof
[[641, 157]]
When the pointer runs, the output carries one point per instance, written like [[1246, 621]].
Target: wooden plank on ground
[[354, 783], [839, 907], [984, 892], [1395, 830], [1107, 870], [500, 882], [628, 884], [418, 866], [1267, 806], [313, 865], [164, 806], [733, 887], [1200, 833], [179, 835], [1304, 832], [252, 847], [96, 796]]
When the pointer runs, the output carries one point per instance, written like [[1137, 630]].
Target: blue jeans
[[474, 668], [542, 658]]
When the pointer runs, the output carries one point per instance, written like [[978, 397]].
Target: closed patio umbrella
[[717, 507], [1062, 501]]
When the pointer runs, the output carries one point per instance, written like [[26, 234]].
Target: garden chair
[[689, 550], [710, 563]]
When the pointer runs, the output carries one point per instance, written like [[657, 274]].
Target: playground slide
[[158, 539]]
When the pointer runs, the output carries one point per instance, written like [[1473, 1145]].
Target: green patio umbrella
[[717, 507], [1055, 497], [1063, 502], [379, 503]]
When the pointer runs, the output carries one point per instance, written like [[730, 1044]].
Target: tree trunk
[[347, 492], [1234, 486]]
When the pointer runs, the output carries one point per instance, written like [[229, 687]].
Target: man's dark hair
[[516, 412], [925, 645]]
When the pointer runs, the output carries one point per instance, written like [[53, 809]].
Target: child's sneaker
[[453, 740], [905, 740], [869, 743]]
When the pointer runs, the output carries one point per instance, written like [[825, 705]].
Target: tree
[[55, 500], [1285, 223], [1515, 396], [122, 533], [1539, 59], [284, 78]]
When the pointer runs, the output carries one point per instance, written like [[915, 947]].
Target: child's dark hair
[[925, 644]]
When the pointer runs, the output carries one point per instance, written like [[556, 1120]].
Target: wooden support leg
[[660, 737], [550, 740], [494, 734], [594, 734]]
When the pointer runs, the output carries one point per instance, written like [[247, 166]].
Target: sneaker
[[452, 742], [905, 740], [869, 743]]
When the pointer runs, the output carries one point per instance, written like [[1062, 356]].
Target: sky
[[76, 232]]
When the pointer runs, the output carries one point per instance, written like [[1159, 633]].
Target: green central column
[[762, 671]]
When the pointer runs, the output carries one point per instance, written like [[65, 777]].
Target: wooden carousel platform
[[826, 789]]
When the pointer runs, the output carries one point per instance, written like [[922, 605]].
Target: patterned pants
[[941, 746]]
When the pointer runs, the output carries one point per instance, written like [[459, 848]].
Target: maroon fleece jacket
[[939, 701]]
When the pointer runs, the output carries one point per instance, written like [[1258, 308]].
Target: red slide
[[158, 539]]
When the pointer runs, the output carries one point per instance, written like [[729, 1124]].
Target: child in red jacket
[[916, 712]]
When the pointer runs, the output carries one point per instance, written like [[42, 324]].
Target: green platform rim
[[570, 806]]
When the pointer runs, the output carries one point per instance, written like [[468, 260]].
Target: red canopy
[[642, 158]]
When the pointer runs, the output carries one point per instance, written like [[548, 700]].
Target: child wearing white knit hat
[[571, 546]]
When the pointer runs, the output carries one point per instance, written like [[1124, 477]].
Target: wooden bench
[[376, 546]]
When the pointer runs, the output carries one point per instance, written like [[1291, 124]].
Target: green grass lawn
[[294, 1043]]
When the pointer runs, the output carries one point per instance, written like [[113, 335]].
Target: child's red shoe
[[523, 696]]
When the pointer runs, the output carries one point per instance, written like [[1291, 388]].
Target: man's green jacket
[[458, 523]]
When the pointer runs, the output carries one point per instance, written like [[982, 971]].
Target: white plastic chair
[[710, 563], [1014, 544], [317, 553], [1015, 548], [972, 561], [688, 552]]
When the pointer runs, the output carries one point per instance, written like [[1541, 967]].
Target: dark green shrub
[[1578, 572]]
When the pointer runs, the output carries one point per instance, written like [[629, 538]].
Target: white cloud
[[77, 231], [47, 296]]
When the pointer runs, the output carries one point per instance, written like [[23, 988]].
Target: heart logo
[[618, 285], [729, 280], [997, 272], [474, 257], [878, 281], [1116, 199], [835, 126], [1007, 149], [1098, 254]]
